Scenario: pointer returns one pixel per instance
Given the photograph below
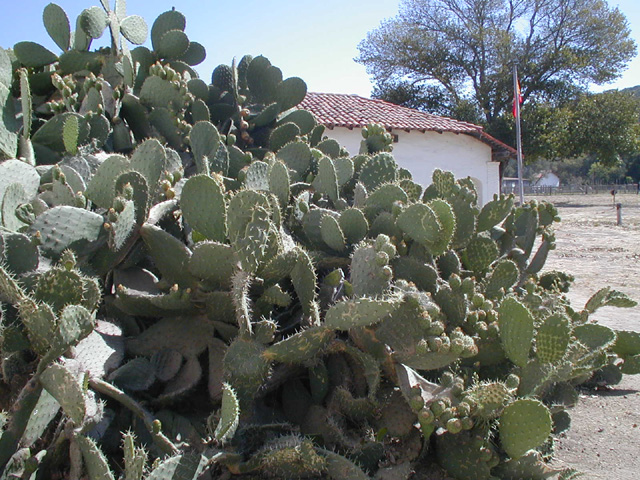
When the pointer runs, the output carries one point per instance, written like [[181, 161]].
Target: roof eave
[[500, 151]]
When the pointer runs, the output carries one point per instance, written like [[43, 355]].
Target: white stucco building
[[546, 179], [422, 141]]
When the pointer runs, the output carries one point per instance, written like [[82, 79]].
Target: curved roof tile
[[354, 111]]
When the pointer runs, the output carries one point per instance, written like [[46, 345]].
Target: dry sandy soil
[[604, 439]]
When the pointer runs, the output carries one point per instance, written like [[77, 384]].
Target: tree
[[601, 173], [604, 125], [457, 53]]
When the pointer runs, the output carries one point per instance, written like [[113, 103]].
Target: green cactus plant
[[170, 246]]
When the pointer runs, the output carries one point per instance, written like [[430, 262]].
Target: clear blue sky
[[314, 40]]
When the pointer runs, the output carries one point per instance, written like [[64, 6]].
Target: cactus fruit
[[420, 343]]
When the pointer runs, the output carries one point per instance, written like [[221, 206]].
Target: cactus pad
[[204, 208], [501, 278], [431, 225], [357, 313], [490, 398], [301, 346], [552, 338], [516, 330], [481, 252], [378, 170], [246, 368], [64, 387], [229, 415], [524, 424], [466, 456], [67, 227], [170, 255]]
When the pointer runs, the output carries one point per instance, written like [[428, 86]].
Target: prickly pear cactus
[[195, 280]]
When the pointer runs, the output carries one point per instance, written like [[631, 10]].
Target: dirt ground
[[604, 439]]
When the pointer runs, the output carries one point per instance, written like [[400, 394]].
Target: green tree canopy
[[605, 125], [467, 48], [455, 57]]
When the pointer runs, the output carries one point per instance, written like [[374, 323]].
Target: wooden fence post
[[619, 213]]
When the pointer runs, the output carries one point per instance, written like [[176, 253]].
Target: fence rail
[[576, 189]]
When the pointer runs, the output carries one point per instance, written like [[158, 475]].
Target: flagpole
[[516, 100]]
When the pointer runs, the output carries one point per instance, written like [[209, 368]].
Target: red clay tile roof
[[353, 111]]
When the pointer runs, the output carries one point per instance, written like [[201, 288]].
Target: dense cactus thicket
[[197, 283]]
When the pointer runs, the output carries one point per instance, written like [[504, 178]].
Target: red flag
[[517, 97]]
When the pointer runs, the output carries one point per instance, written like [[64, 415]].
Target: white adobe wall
[[548, 180], [421, 153]]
